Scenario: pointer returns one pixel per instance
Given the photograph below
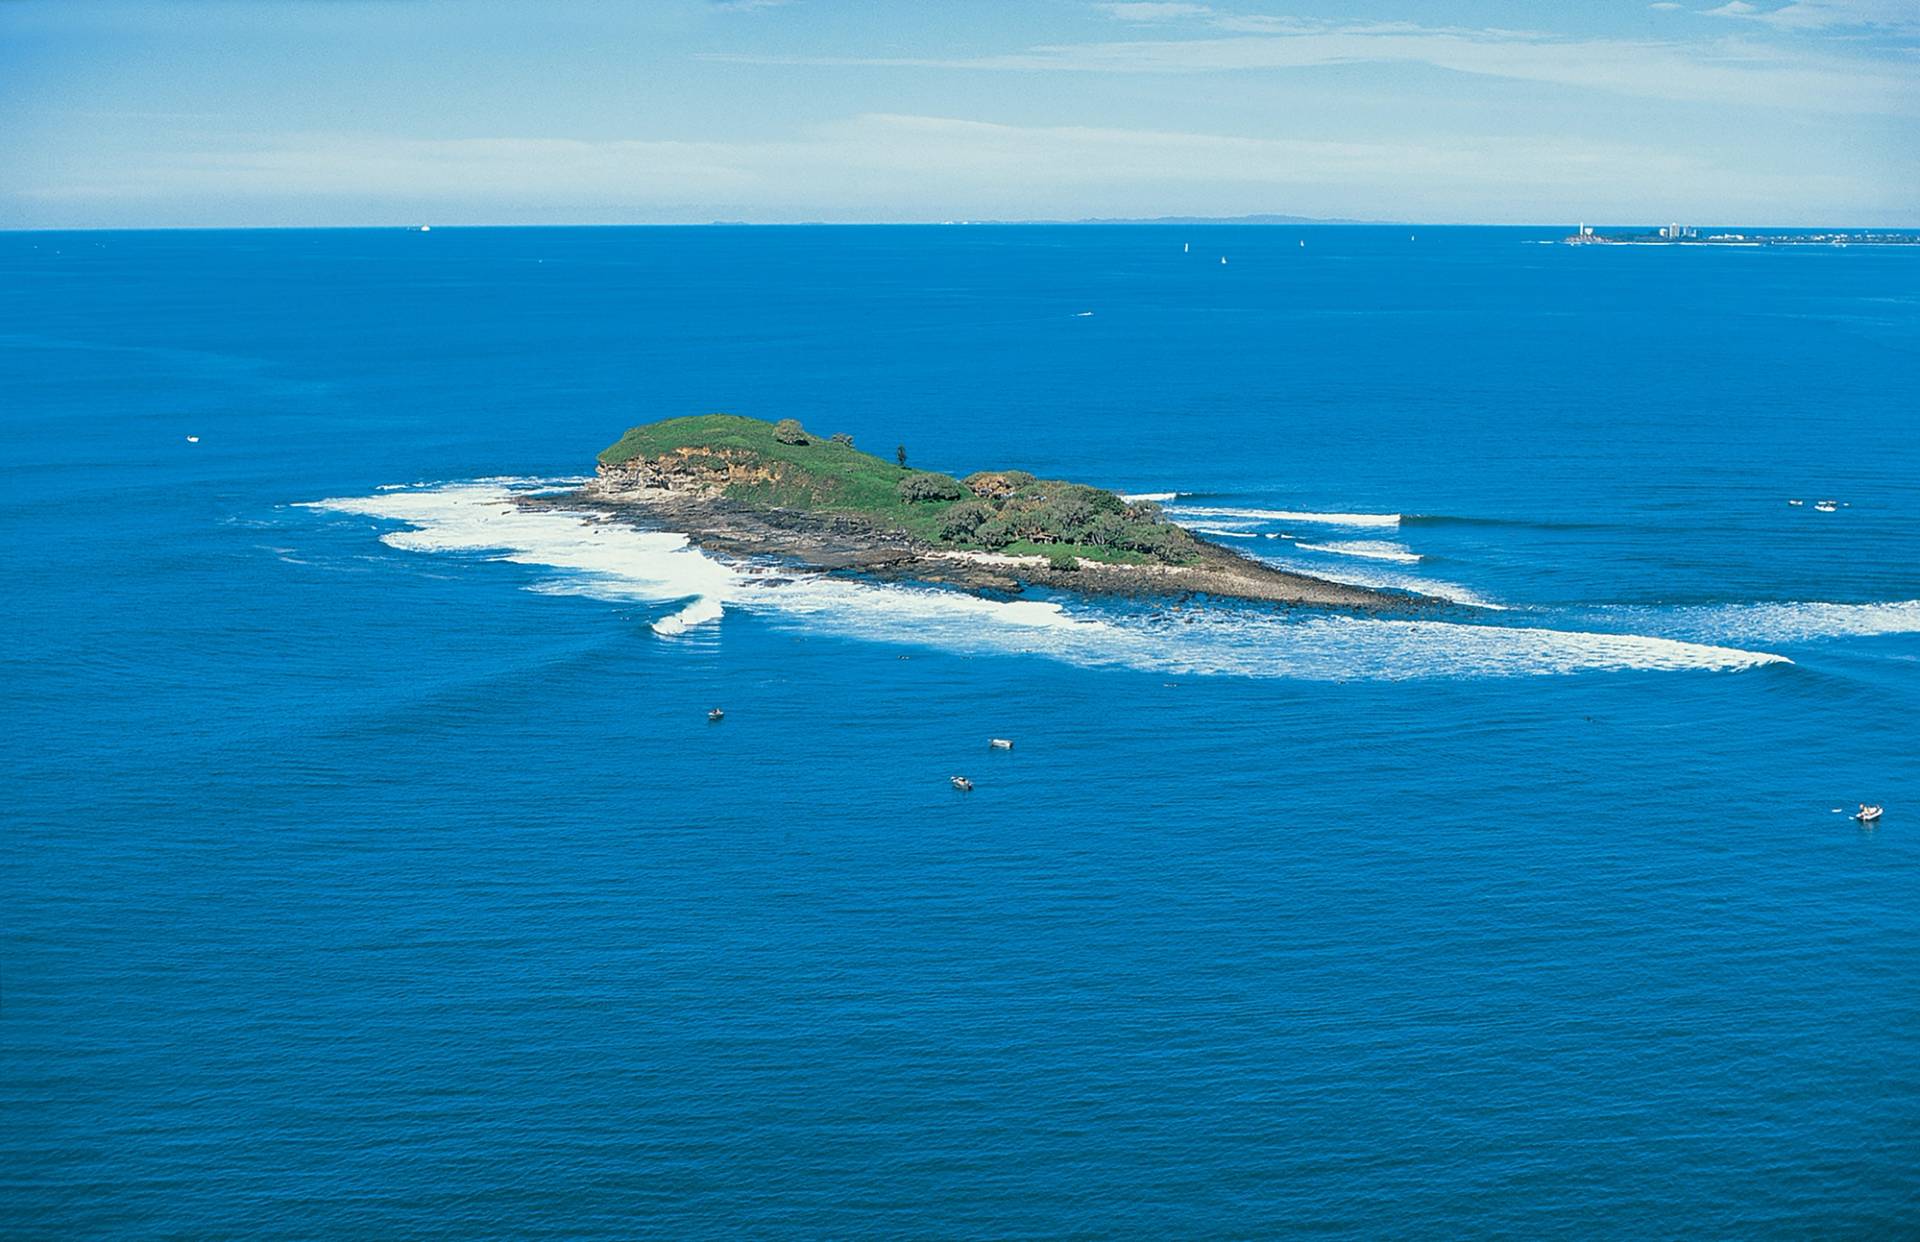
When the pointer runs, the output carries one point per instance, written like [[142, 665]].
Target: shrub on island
[[929, 485], [789, 431], [1108, 530], [1162, 541], [962, 522], [995, 532], [841, 437], [997, 484], [1066, 562]]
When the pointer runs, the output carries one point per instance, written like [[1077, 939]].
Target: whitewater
[[588, 554]]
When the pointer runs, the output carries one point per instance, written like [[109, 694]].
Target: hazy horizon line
[[1086, 222]]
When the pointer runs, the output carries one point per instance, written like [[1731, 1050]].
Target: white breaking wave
[[699, 612], [614, 561], [1366, 549], [1288, 515], [591, 556], [1233, 643], [1216, 524], [1379, 577], [1782, 622], [1131, 497]]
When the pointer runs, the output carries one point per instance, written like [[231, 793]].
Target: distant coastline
[[1686, 235], [1750, 235], [1256, 219]]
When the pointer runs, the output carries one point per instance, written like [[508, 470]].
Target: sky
[[115, 113]]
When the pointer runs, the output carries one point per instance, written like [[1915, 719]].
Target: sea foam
[[1804, 621], [1365, 549], [589, 555], [1226, 532], [610, 560], [1182, 512]]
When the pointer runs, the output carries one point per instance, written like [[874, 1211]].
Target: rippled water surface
[[371, 867]]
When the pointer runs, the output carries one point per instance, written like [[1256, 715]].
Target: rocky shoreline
[[843, 543]]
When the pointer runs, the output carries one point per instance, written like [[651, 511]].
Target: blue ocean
[[371, 867]]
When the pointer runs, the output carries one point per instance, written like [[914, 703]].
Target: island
[[776, 493]]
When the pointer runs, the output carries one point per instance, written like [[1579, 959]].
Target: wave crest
[[1286, 515], [1789, 622], [1365, 549]]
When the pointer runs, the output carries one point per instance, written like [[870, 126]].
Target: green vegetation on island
[[784, 466]]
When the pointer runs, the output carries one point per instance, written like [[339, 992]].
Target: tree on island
[[900, 455], [789, 431]]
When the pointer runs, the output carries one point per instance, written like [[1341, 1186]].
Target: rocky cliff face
[[690, 471]]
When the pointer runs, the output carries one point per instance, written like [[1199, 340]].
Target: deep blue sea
[[372, 870]]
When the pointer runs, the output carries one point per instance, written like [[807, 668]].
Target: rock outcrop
[[690, 471]]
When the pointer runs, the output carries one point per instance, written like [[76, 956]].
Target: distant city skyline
[[373, 112]]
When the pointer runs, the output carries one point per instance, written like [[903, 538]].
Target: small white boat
[[1223, 260], [1186, 247], [1796, 503], [1869, 814], [193, 439], [1826, 506], [716, 715], [1000, 743], [426, 228], [961, 783]]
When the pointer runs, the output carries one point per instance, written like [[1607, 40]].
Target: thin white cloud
[[1152, 12], [1726, 71], [879, 147], [1898, 15], [897, 166]]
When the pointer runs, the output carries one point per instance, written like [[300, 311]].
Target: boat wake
[[584, 553]]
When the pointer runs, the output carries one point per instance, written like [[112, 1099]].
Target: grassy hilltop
[[781, 465]]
